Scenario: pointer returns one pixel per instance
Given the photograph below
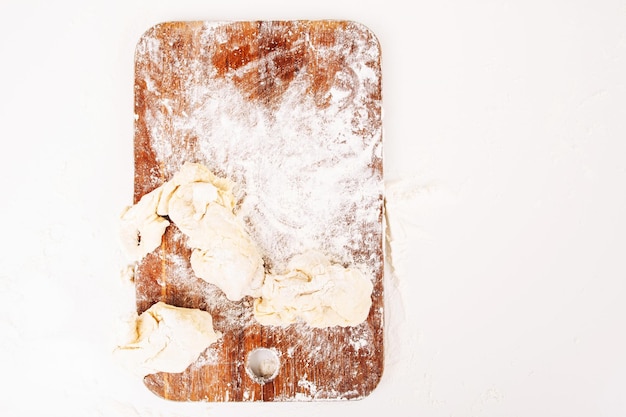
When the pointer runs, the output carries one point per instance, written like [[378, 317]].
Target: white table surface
[[505, 140]]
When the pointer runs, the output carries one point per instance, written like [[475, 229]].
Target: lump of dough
[[188, 205], [166, 338], [201, 205], [225, 255], [316, 291], [192, 188], [195, 186], [187, 197], [141, 228]]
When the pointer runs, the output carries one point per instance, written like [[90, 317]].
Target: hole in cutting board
[[263, 365]]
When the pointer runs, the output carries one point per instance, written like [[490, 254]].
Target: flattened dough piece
[[316, 291], [166, 338], [141, 228]]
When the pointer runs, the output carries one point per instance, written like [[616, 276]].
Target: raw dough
[[192, 189], [313, 289], [316, 291], [141, 228], [201, 206], [226, 256], [166, 338]]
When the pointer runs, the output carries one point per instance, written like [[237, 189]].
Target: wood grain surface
[[261, 60]]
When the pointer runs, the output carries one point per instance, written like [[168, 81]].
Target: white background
[[505, 140]]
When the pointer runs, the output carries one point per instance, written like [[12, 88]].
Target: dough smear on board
[[316, 291], [166, 338], [201, 206]]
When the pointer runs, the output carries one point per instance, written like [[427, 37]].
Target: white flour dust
[[304, 174]]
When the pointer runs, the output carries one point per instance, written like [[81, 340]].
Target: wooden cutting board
[[291, 112]]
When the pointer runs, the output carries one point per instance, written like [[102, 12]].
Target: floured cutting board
[[291, 112]]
